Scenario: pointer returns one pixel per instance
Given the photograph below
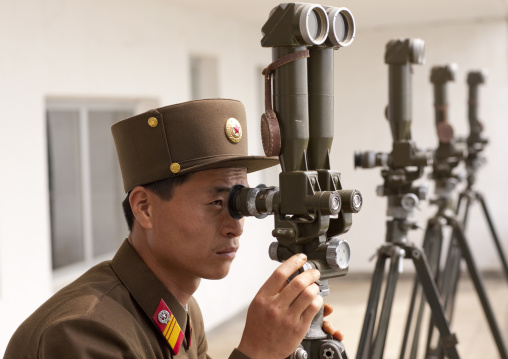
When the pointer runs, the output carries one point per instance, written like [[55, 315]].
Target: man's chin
[[219, 274]]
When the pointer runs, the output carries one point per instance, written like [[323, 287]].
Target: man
[[178, 165]]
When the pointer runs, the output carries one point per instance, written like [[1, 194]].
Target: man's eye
[[217, 202]]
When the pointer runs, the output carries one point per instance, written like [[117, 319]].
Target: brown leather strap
[[444, 132], [267, 72], [270, 135], [270, 130]]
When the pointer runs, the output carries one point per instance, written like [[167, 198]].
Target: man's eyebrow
[[219, 190]]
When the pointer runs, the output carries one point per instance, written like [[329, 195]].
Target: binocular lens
[[313, 23], [342, 26]]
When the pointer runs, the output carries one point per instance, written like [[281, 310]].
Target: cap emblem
[[233, 130]]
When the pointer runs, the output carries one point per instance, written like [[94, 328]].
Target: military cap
[[184, 138]]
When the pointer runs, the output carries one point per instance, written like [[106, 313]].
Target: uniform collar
[[145, 287]]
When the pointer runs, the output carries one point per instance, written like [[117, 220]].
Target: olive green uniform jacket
[[110, 312]]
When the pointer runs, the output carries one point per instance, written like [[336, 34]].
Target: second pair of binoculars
[[400, 55]]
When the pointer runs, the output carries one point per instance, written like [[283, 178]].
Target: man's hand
[[281, 312], [328, 327]]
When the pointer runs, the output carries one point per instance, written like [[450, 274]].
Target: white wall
[[140, 50], [95, 49]]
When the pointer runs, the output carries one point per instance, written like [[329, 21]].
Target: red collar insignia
[[169, 327]]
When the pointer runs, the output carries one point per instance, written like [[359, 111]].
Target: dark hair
[[163, 189]]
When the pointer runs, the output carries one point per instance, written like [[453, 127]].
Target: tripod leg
[[447, 289], [431, 294], [415, 294], [466, 211], [451, 280], [432, 248], [494, 234], [397, 256], [462, 195], [480, 289], [434, 256], [370, 315]]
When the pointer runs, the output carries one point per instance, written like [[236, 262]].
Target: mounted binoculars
[[405, 163], [310, 207], [475, 142], [474, 79], [447, 156]]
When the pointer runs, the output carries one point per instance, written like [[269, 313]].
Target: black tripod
[[458, 249], [401, 168], [475, 145], [446, 158], [468, 196], [372, 346]]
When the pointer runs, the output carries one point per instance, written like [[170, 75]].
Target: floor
[[348, 295]]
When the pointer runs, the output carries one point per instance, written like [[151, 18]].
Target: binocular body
[[309, 205], [405, 163]]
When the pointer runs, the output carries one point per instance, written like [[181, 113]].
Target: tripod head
[[405, 163], [447, 155]]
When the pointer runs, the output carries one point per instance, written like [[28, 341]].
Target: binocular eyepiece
[[405, 51], [262, 201], [371, 159], [257, 202], [476, 77], [300, 24], [442, 74]]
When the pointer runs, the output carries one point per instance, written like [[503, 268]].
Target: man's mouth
[[229, 253]]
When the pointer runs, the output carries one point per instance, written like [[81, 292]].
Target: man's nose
[[233, 227]]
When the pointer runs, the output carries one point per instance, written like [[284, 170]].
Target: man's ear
[[139, 200]]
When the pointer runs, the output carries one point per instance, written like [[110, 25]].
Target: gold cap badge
[[175, 167], [152, 122], [233, 130]]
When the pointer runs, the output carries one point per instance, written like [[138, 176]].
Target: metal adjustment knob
[[423, 191], [272, 251], [299, 353], [351, 201], [338, 253], [409, 201]]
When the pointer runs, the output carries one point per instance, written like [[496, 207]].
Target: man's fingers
[[278, 279], [313, 308], [298, 287], [327, 325], [327, 310], [336, 334], [304, 299]]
